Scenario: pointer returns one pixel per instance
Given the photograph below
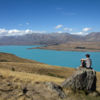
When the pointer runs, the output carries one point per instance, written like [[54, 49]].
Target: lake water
[[52, 57]]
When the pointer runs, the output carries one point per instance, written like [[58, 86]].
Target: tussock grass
[[6, 57], [29, 77], [98, 81], [38, 68], [31, 70]]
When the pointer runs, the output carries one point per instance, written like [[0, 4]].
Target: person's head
[[87, 55]]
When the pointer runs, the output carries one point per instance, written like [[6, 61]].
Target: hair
[[87, 55]]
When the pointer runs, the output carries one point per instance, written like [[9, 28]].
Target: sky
[[18, 17]]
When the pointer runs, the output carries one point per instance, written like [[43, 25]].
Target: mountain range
[[48, 39]]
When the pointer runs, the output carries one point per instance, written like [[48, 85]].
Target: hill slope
[[14, 75]]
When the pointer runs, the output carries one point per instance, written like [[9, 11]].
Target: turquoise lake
[[52, 57]]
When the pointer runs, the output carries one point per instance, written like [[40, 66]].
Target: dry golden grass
[[98, 81], [6, 57], [37, 68], [39, 72], [29, 77], [34, 71]]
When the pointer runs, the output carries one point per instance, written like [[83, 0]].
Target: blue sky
[[72, 16]]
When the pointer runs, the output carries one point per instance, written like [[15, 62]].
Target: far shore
[[66, 49], [73, 46]]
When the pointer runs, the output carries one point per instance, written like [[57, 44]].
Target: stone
[[82, 79], [54, 87], [12, 90]]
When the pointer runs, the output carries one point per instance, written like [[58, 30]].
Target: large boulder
[[82, 79]]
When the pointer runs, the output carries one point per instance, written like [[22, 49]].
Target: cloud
[[59, 26], [28, 31], [13, 31], [79, 33], [83, 32], [86, 29], [63, 29], [16, 32], [3, 30], [59, 32], [67, 29]]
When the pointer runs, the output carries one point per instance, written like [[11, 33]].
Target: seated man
[[86, 62]]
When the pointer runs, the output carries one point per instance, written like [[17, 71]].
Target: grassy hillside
[[19, 71], [6, 57], [15, 63]]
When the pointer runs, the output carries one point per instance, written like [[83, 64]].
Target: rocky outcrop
[[16, 89], [11, 89], [82, 79]]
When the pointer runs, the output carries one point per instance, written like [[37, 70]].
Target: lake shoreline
[[73, 46], [73, 50], [52, 57]]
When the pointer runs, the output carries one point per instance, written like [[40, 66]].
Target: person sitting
[[86, 63]]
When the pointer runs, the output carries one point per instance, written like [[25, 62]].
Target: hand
[[82, 59]]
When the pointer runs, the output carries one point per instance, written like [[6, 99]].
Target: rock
[[54, 87], [82, 79], [18, 90]]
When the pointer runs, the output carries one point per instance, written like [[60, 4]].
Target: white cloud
[[13, 31], [83, 32], [67, 29], [59, 32], [59, 26], [86, 29], [16, 32], [2, 30], [28, 31], [80, 33]]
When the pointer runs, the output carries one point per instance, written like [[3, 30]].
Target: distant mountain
[[94, 36], [36, 38], [47, 39]]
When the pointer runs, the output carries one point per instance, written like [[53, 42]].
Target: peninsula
[[73, 46]]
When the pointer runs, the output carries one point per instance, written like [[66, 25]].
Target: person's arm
[[83, 59]]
